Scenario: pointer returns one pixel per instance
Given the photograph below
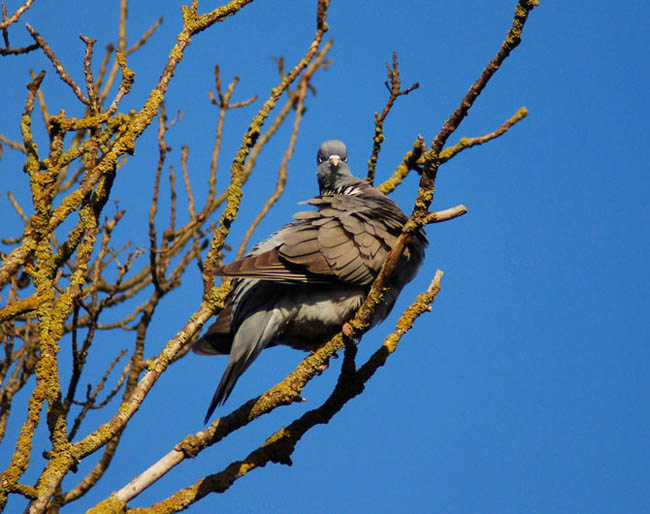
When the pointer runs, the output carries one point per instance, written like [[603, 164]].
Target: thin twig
[[469, 142], [19, 51], [446, 215], [393, 84], [17, 207], [153, 245], [12, 144], [91, 397], [93, 104], [41, 101], [409, 162], [57, 65], [145, 37], [6, 21]]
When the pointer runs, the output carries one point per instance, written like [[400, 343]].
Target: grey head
[[333, 172]]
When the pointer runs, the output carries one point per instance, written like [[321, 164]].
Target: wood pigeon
[[300, 285]]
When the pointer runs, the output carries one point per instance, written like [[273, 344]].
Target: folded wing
[[346, 239]]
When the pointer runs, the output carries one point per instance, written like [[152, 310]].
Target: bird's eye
[[345, 159], [320, 158]]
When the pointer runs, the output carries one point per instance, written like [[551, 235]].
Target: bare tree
[[62, 276]]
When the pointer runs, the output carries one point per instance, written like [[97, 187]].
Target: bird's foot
[[348, 332]]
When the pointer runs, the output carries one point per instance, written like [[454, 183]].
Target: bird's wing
[[346, 239]]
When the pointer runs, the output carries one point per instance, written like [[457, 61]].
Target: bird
[[300, 285]]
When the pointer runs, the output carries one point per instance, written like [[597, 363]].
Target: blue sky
[[527, 388]]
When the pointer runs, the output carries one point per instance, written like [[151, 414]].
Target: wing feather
[[345, 239]]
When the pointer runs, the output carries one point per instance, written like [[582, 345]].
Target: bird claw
[[348, 332]]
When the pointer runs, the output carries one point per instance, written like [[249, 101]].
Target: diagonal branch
[[469, 142], [446, 215], [57, 64], [279, 447], [409, 162], [419, 216], [14, 17], [513, 38]]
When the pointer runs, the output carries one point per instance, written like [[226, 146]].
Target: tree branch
[[394, 88], [469, 142]]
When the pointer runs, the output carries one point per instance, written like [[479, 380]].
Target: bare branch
[[93, 103], [12, 144], [446, 215], [19, 51], [57, 64], [393, 85], [424, 197], [91, 397], [153, 244], [6, 21], [409, 162], [41, 101], [17, 207], [145, 37], [282, 172], [513, 39], [469, 142], [125, 86]]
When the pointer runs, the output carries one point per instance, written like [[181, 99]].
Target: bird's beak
[[334, 160]]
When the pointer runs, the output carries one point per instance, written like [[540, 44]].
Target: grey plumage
[[301, 284]]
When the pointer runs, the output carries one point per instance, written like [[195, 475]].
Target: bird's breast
[[314, 314]]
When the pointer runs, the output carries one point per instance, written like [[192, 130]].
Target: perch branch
[[280, 445]]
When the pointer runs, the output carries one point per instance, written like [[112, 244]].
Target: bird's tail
[[228, 380], [248, 343]]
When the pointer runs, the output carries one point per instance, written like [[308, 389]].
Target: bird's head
[[333, 170]]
